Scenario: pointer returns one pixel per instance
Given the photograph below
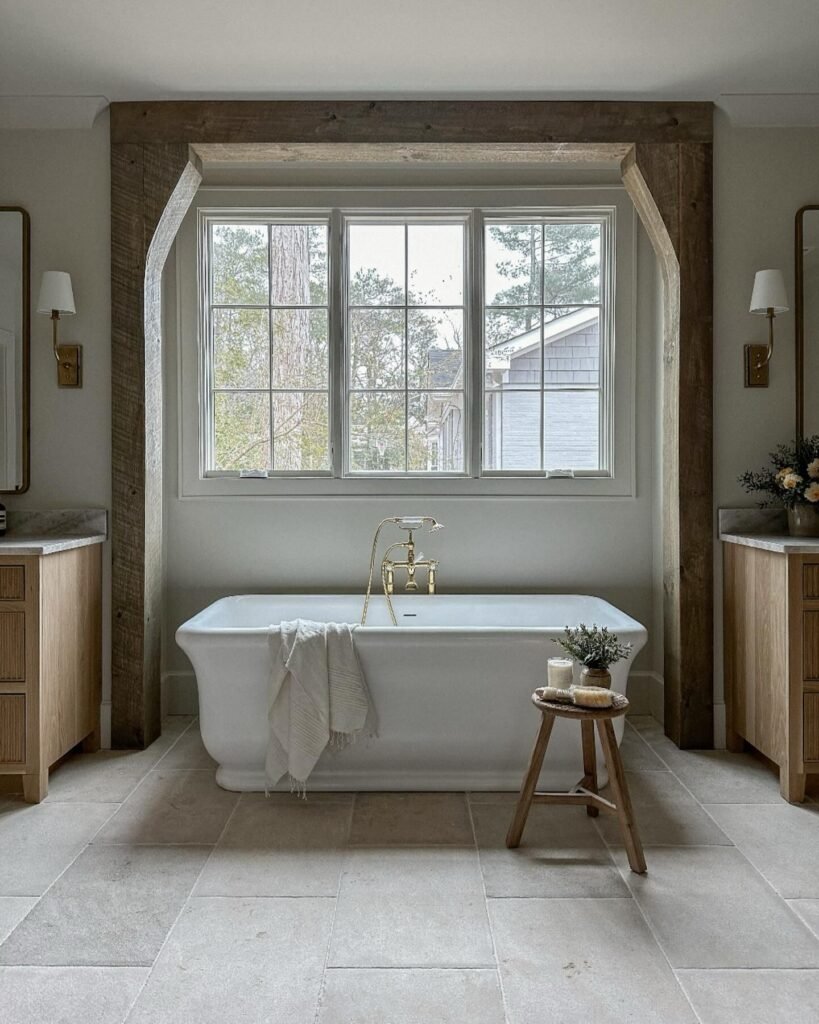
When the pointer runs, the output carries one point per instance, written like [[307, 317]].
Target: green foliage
[[594, 646], [791, 479], [569, 271]]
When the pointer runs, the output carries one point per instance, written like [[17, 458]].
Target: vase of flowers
[[791, 480], [597, 649]]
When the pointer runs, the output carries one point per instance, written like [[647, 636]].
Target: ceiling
[[756, 58]]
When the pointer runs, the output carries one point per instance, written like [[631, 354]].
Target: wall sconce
[[768, 299], [57, 299]]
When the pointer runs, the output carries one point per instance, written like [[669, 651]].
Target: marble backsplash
[[63, 522], [753, 520]]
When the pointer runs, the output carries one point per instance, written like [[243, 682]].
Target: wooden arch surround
[[665, 152]]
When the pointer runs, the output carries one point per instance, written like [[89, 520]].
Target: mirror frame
[[799, 309], [25, 445]]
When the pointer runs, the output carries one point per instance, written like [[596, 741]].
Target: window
[[385, 343]]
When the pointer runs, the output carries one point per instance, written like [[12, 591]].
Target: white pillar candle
[[560, 672]]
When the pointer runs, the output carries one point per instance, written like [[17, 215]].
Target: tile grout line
[[182, 909], [734, 846], [504, 1004], [347, 847]]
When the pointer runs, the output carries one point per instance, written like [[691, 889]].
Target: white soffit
[[49, 113], [772, 110]]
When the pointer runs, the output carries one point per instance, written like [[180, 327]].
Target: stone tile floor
[[139, 891]]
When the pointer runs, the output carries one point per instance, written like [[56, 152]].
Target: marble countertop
[[47, 532], [781, 542], [765, 529]]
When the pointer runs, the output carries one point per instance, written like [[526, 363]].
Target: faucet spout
[[409, 564]]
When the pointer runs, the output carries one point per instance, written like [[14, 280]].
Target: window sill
[[447, 487]]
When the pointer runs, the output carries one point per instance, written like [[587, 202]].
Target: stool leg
[[530, 781], [589, 763], [625, 812]]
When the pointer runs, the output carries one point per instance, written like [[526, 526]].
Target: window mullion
[[336, 270], [475, 344]]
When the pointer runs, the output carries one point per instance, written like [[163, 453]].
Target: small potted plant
[[792, 480], [597, 649]]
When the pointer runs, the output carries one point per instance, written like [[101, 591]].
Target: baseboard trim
[[645, 694]]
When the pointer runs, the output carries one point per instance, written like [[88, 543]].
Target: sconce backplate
[[69, 366], [756, 366]]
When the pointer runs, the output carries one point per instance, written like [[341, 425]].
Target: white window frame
[[617, 384]]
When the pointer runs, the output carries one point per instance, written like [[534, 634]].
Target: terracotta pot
[[803, 521], [595, 677]]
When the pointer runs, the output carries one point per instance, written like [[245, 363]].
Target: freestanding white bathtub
[[451, 685]]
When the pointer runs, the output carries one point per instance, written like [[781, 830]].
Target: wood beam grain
[[409, 121]]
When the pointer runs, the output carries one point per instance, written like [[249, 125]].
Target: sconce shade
[[769, 293], [56, 293]]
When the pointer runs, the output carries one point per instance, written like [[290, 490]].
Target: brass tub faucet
[[409, 564]]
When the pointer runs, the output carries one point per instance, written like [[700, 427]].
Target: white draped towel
[[318, 696]]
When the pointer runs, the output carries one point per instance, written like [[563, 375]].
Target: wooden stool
[[585, 792]]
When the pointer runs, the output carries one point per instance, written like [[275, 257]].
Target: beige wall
[[62, 179], [761, 177]]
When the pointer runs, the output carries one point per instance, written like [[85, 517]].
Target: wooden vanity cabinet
[[771, 635], [50, 660]]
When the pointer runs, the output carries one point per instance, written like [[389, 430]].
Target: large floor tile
[[108, 776], [665, 812], [188, 752], [172, 807], [411, 997], [637, 754], [240, 961], [411, 819], [411, 908], [37, 843], [279, 848], [709, 908], [780, 840], [561, 854], [576, 961], [12, 911], [808, 910], [114, 906], [68, 995], [753, 997]]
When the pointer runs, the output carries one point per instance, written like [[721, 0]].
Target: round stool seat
[[557, 707]]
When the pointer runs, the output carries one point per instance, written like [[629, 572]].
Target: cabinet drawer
[[12, 728], [12, 646], [12, 582], [810, 728]]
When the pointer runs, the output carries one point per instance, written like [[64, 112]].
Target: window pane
[[377, 432], [572, 352], [436, 264], [376, 264], [512, 430], [572, 430], [513, 348], [300, 348], [513, 254], [301, 439], [376, 348], [436, 432], [436, 348], [298, 264], [572, 263], [242, 431], [241, 348], [239, 266]]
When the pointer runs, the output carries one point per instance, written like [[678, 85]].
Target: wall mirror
[[15, 308], [807, 320]]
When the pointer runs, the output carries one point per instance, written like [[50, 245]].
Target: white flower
[[786, 471], [812, 492], [813, 469], [791, 481]]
